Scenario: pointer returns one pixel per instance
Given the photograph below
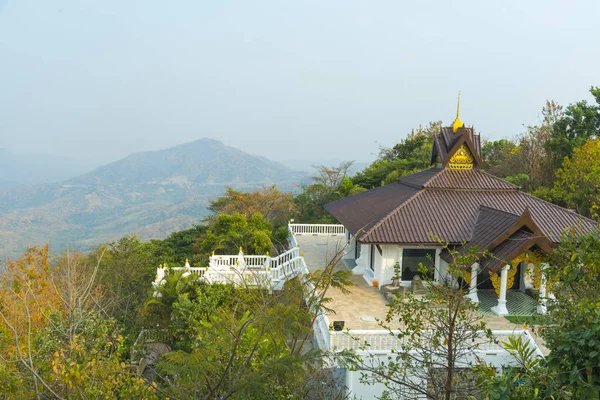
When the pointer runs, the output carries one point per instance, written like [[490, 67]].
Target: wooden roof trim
[[525, 220], [541, 242], [436, 150], [463, 139]]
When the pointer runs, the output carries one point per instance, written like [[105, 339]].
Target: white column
[[501, 309], [473, 284], [542, 304]]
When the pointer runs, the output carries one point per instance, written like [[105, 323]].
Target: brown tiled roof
[[489, 225], [420, 178], [458, 206], [451, 215], [467, 179], [507, 250], [501, 236], [361, 211]]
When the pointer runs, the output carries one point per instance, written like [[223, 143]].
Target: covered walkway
[[517, 302]]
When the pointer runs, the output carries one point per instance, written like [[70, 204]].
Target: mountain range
[[149, 193], [33, 169]]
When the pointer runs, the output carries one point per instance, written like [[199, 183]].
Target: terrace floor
[[364, 305]]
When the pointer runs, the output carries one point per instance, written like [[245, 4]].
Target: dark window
[[413, 258], [372, 260], [356, 250]]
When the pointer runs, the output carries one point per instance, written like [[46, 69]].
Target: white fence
[[386, 341], [233, 261], [318, 229]]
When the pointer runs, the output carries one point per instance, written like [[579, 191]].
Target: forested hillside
[[151, 193]]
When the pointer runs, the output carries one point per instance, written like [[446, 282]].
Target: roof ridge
[[378, 224], [498, 178], [451, 174], [495, 210], [481, 206], [435, 175]]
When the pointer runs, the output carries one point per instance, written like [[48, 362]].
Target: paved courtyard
[[364, 305]]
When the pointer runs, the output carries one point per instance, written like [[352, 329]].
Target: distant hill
[[34, 169], [150, 193], [5, 185]]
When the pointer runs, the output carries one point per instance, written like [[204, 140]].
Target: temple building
[[457, 203]]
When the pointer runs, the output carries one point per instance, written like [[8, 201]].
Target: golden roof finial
[[457, 122]]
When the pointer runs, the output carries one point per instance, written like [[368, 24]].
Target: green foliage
[[330, 184], [87, 362], [573, 330], [275, 206], [578, 180], [191, 311], [526, 380], [158, 307], [125, 270], [70, 348], [228, 233], [580, 122], [178, 247], [408, 156], [496, 154], [520, 180], [529, 320], [242, 343]]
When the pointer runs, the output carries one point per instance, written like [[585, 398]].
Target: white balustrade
[[384, 341], [318, 229]]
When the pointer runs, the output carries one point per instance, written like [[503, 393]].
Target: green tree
[[329, 184], [410, 155], [275, 206], [179, 246], [533, 146], [580, 122], [126, 268], [228, 233], [578, 180], [571, 332], [56, 340], [249, 342], [499, 157]]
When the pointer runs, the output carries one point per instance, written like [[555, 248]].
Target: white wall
[[392, 253], [352, 379], [384, 263]]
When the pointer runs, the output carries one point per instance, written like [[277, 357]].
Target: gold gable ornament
[[462, 159]]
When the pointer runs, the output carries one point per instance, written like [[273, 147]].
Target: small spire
[[458, 106], [457, 122]]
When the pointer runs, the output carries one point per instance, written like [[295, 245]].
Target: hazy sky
[[285, 79]]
